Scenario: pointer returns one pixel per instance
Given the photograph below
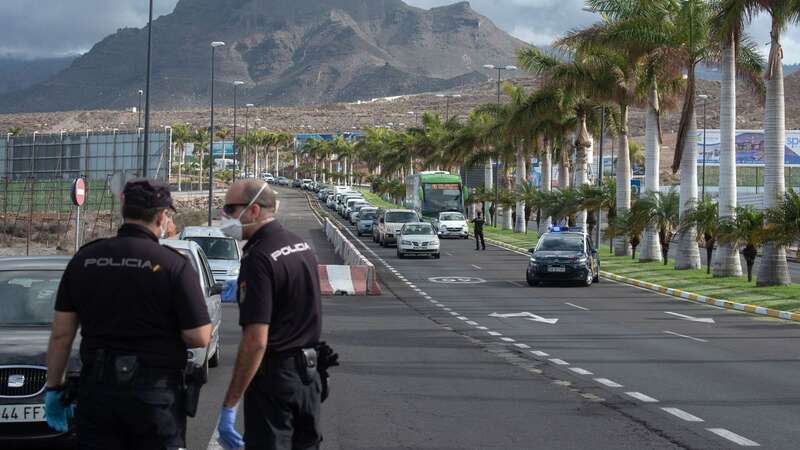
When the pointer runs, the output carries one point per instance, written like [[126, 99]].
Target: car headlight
[[233, 271], [443, 228], [406, 242], [533, 260], [582, 260], [435, 243]]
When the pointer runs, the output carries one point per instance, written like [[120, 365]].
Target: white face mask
[[233, 227]]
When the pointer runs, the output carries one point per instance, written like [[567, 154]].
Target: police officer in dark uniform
[[478, 223], [139, 306], [280, 312]]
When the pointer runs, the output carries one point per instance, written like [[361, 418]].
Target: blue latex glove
[[57, 414], [229, 292], [229, 438]]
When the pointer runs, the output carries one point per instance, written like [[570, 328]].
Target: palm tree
[[659, 210], [745, 230], [703, 216], [201, 140], [737, 55], [774, 269], [784, 219], [181, 135], [628, 225]]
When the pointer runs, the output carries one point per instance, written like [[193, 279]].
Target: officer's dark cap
[[147, 194]]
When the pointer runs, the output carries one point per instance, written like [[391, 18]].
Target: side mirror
[[594, 252], [531, 250], [382, 220], [217, 288]]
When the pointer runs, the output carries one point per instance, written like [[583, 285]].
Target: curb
[[684, 295]]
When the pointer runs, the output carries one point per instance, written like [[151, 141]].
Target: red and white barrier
[[346, 280]]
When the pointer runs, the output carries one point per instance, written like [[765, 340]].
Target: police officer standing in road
[[139, 306], [280, 312], [478, 223]]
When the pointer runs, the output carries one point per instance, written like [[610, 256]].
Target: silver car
[[203, 357], [222, 252]]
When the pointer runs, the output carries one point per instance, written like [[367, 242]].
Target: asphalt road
[[690, 383]]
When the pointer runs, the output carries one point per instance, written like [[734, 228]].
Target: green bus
[[430, 193]]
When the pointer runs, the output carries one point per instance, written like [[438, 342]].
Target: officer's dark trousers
[[144, 414], [479, 241], [280, 410]]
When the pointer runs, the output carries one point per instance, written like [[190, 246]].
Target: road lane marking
[[522, 346], [447, 309], [518, 284], [683, 414], [690, 318], [580, 371], [494, 333], [482, 328], [685, 336], [539, 353], [453, 313], [412, 285], [559, 362], [642, 397], [462, 318], [525, 315], [733, 437], [576, 306], [448, 253], [472, 322], [477, 267], [507, 339], [607, 382]]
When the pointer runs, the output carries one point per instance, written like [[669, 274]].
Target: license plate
[[558, 269], [22, 413]]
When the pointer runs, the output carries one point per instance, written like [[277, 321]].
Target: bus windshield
[[442, 197]]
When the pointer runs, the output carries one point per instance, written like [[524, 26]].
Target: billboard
[[749, 147]]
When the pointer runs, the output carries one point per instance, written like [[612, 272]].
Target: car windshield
[[217, 248], [561, 243], [27, 297], [401, 217], [451, 216], [423, 229], [367, 216]]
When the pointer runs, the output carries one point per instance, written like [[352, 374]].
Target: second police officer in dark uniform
[[139, 306], [280, 312]]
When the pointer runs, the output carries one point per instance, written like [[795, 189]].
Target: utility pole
[[146, 152]]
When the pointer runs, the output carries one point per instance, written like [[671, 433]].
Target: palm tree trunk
[[773, 270], [583, 144], [621, 244], [522, 169], [547, 152], [726, 262], [563, 168], [651, 245], [688, 254]]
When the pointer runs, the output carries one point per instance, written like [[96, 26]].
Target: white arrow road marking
[[526, 315], [733, 437], [690, 318]]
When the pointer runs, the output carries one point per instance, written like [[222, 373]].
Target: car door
[[213, 302]]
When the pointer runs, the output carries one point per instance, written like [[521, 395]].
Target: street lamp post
[[236, 84], [214, 46], [246, 134], [146, 152], [139, 123], [447, 98], [704, 97], [497, 162]]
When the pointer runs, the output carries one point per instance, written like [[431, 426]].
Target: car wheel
[[589, 279], [400, 254], [437, 256], [596, 278], [531, 281], [214, 360]]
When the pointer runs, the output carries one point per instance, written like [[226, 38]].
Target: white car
[[417, 239], [223, 253], [353, 211], [451, 224], [307, 184], [391, 222], [203, 357]]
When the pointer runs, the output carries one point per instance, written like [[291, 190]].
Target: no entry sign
[[79, 192]]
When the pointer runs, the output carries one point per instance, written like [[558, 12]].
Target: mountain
[[288, 52], [17, 74]]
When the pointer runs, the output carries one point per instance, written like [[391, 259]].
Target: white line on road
[[576, 306], [477, 267], [522, 346], [690, 318], [494, 333], [453, 313], [580, 371], [448, 254], [559, 362], [462, 318], [683, 415], [482, 328], [733, 437], [447, 309], [642, 397], [607, 382], [507, 339], [685, 336], [472, 322], [412, 285], [539, 353]]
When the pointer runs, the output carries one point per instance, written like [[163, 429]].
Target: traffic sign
[[78, 192]]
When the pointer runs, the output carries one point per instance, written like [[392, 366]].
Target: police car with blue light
[[564, 254]]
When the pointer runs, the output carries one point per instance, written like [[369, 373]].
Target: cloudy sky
[[59, 27]]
